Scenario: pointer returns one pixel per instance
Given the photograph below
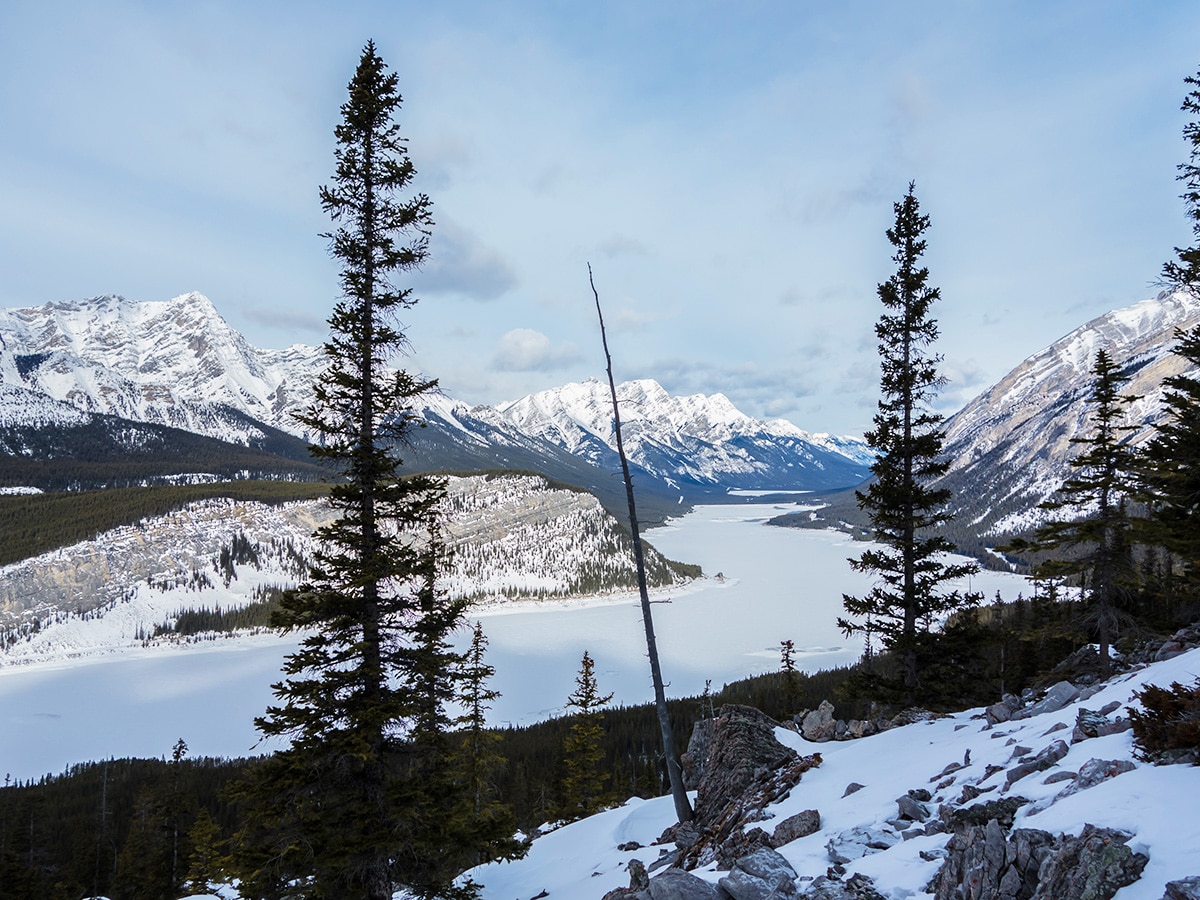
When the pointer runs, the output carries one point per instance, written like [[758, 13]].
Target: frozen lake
[[778, 583]]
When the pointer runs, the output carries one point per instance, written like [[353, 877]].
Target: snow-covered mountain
[[1010, 448], [175, 362], [179, 363], [701, 440]]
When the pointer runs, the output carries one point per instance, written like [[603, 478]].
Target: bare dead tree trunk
[[683, 808]]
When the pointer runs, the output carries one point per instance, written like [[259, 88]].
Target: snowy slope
[[1009, 448], [1155, 804]]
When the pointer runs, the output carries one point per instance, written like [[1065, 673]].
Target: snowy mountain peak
[[1010, 447], [178, 362], [701, 439], [175, 362]]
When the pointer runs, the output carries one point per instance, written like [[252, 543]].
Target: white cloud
[[525, 350]]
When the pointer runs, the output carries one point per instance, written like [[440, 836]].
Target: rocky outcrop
[[736, 749], [1183, 889], [1096, 864], [983, 863], [738, 768]]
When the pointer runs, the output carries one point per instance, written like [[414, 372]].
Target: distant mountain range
[[1010, 448], [110, 391], [162, 373]]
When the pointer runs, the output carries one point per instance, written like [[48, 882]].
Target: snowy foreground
[[1156, 804]]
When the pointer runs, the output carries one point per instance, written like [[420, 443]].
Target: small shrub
[[1168, 725]]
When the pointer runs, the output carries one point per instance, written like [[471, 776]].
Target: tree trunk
[[683, 808]]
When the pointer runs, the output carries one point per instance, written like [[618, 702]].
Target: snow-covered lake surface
[[776, 584]]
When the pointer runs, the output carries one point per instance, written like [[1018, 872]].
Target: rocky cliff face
[[512, 538], [1009, 449]]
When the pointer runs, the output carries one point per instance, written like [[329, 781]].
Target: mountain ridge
[[178, 363], [1010, 448]]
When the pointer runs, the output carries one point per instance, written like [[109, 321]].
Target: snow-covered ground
[[1156, 804], [776, 584]]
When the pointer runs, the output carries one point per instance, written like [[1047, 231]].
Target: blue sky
[[728, 170]]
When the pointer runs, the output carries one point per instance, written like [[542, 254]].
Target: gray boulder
[[1002, 711], [1056, 698], [856, 887], [1183, 889], [763, 875], [1093, 772], [911, 808], [1040, 763], [819, 725], [676, 884], [859, 842], [802, 824], [1087, 725]]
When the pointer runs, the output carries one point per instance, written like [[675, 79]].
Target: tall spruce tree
[[583, 790], [1170, 467], [1096, 495], [1184, 270], [489, 824], [1171, 461], [349, 808], [904, 509]]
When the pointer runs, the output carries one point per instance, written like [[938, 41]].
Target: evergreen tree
[[1171, 461], [583, 789], [177, 806], [791, 681], [143, 867], [1096, 495], [904, 509], [490, 824], [1184, 271], [206, 865], [347, 809], [1170, 467]]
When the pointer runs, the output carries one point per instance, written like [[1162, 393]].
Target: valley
[[776, 584]]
